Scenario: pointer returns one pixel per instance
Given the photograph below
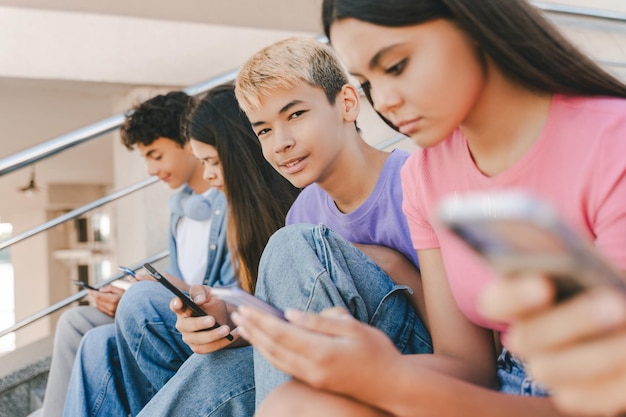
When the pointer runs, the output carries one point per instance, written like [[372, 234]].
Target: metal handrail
[[75, 297], [92, 131], [77, 212]]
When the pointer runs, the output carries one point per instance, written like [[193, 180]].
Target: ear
[[348, 99]]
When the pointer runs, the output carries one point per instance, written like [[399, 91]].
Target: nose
[[283, 140], [384, 100], [153, 168], [209, 174]]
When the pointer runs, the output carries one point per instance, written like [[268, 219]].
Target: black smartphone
[[196, 311], [516, 232], [83, 285]]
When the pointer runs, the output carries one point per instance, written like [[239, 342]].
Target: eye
[[397, 68], [262, 132], [297, 114]]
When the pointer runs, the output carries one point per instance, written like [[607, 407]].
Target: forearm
[[417, 386]]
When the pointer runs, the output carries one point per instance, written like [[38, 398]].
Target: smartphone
[[83, 285], [237, 297], [127, 271], [516, 232], [188, 302]]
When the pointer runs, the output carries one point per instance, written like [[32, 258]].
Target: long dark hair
[[258, 196], [521, 42]]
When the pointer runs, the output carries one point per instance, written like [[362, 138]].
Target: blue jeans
[[135, 357], [513, 378], [305, 267], [218, 384]]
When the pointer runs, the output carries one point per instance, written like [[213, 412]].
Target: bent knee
[[144, 296]]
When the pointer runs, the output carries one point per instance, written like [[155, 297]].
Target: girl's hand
[[194, 329], [577, 348], [327, 351]]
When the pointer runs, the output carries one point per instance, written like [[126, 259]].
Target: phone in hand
[[237, 297], [83, 285], [516, 232], [196, 311]]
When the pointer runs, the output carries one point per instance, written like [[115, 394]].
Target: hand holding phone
[[514, 232], [196, 311]]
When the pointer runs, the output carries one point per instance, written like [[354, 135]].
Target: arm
[[576, 347], [193, 329]]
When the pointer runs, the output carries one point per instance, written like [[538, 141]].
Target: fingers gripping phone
[[515, 232], [196, 311]]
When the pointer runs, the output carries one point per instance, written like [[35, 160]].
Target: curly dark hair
[[159, 117]]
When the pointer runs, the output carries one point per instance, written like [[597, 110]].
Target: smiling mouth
[[291, 163]]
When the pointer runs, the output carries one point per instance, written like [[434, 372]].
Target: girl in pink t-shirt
[[497, 99]]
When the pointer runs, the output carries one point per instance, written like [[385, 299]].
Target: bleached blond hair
[[284, 65]]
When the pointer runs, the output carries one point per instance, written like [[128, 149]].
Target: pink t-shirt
[[578, 164]]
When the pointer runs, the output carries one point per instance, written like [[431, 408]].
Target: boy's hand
[[194, 329], [107, 298], [577, 348]]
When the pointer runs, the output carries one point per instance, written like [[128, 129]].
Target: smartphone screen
[[188, 302], [238, 298]]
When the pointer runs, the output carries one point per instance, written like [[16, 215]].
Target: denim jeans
[[513, 378], [305, 267], [218, 384], [120, 367]]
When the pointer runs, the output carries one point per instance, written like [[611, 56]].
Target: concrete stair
[[23, 376]]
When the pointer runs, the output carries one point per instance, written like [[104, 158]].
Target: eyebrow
[[375, 61], [285, 108], [149, 153]]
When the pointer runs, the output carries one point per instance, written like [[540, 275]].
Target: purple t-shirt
[[378, 221]]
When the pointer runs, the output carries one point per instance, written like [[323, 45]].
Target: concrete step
[[23, 376]]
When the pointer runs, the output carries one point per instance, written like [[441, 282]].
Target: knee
[[143, 297], [285, 401], [144, 302], [293, 234], [99, 341], [74, 322]]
